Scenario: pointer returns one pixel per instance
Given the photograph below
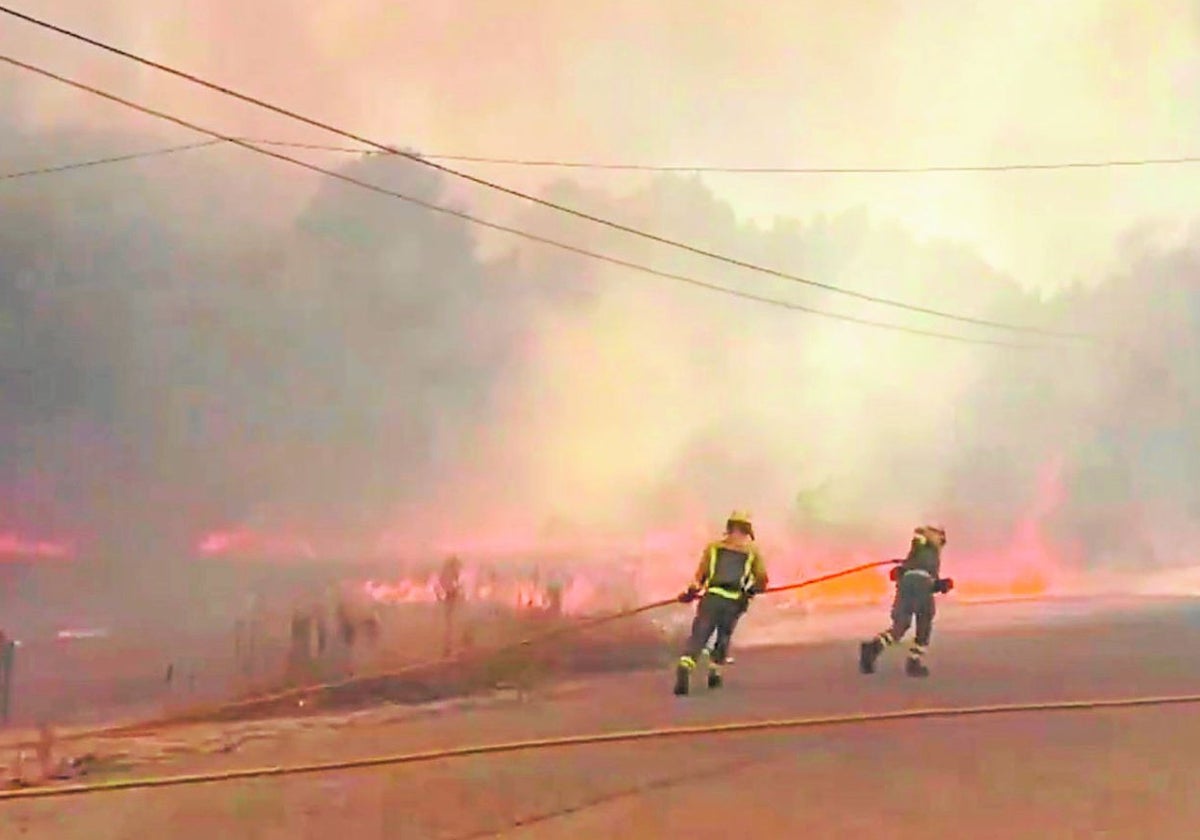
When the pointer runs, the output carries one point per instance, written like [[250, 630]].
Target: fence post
[[8, 648]]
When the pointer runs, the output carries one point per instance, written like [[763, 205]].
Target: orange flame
[[13, 545], [660, 563], [245, 543]]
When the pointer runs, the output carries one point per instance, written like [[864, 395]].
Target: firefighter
[[730, 573], [917, 581]]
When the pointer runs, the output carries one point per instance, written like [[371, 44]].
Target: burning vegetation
[[203, 406]]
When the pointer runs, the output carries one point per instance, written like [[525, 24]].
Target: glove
[[894, 573], [943, 585], [689, 595]]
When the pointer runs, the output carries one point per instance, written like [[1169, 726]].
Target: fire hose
[[304, 692], [731, 728]]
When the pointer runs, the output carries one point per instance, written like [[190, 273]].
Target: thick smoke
[[171, 366], [1115, 427], [178, 359], [1083, 450], [699, 400]]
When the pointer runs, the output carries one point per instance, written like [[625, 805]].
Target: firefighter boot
[[683, 679], [914, 667], [867, 654], [714, 678]]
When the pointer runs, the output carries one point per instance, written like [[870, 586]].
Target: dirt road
[[1125, 774]]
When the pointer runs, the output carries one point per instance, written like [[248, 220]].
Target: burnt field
[[82, 662]]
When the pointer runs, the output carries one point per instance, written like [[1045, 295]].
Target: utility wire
[[533, 237], [552, 163], [483, 182], [632, 167], [84, 164]]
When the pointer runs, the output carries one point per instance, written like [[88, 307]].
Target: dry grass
[[488, 655]]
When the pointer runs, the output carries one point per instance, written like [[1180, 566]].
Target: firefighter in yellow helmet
[[917, 581], [730, 573]]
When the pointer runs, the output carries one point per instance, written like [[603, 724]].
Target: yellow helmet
[[741, 517], [925, 532]]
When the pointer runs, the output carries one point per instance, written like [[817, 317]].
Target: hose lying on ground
[[303, 692], [732, 728]]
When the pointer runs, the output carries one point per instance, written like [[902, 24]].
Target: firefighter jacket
[[729, 570]]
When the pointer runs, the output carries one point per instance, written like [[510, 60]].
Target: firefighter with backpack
[[917, 580], [730, 573]]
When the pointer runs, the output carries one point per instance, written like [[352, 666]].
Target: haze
[[213, 341]]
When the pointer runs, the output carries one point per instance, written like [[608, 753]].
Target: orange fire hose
[[732, 728], [301, 693]]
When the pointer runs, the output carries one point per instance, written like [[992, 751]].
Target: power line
[[84, 164], [595, 255], [483, 182], [631, 167], [164, 151], [550, 163]]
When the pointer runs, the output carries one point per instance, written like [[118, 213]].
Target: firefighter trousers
[[914, 600], [716, 614], [720, 648]]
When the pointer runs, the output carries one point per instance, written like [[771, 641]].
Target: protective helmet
[[743, 518], [925, 532]]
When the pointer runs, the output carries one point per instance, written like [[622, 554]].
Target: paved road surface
[[1121, 774]]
